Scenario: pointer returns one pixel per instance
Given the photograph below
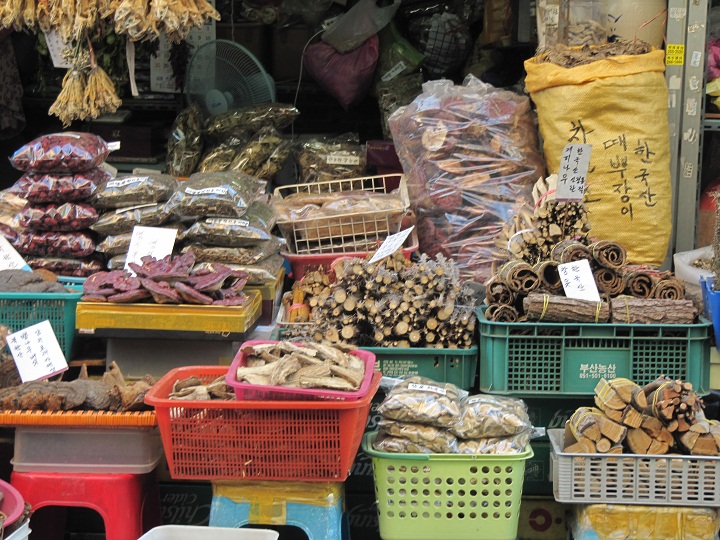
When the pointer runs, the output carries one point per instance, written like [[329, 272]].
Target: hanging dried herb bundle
[[70, 103]]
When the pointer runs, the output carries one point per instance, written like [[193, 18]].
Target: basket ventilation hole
[[449, 492], [438, 493], [508, 492], [484, 515], [414, 480], [438, 481], [391, 480], [426, 515], [391, 492], [473, 504], [509, 469], [461, 515], [401, 492], [449, 515], [473, 493], [473, 515], [496, 515], [508, 481], [426, 492], [413, 514], [508, 503], [414, 492], [486, 470], [403, 514], [403, 469], [437, 515], [461, 481], [461, 493], [402, 480], [449, 481], [508, 515], [485, 493], [426, 504], [414, 469], [497, 470], [426, 480], [390, 514], [461, 504], [473, 470], [390, 468]]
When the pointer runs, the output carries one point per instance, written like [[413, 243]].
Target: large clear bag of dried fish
[[123, 220], [304, 370], [185, 144], [221, 194], [134, 190], [512, 444], [436, 440], [331, 158], [423, 401], [484, 416], [247, 121]]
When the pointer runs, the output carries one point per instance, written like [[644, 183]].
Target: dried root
[[100, 96], [70, 103]]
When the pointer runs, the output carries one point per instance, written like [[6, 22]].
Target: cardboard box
[[185, 503], [287, 45], [542, 518]]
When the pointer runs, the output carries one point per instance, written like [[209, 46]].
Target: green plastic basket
[[20, 310], [569, 359], [431, 496]]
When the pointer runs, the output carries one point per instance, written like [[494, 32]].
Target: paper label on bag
[[36, 352], [391, 244], [11, 259], [156, 242], [572, 176], [56, 46], [113, 146], [552, 15], [207, 191], [334, 159], [227, 221], [393, 72], [578, 281], [125, 182], [427, 388]]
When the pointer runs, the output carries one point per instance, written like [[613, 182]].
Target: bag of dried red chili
[[61, 152]]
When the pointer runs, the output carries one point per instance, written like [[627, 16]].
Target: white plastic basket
[[22, 533], [670, 480], [188, 532]]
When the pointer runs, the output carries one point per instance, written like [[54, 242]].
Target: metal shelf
[[711, 124]]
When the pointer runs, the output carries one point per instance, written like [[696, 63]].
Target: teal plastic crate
[[20, 310], [530, 358]]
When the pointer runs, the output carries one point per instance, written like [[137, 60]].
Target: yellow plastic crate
[[91, 316]]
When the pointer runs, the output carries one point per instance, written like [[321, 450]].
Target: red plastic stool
[[128, 503]]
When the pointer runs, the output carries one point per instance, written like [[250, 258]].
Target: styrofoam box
[[22, 533], [189, 532], [87, 450]]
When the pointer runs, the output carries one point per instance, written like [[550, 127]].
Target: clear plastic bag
[[185, 144], [258, 273], [10, 205], [117, 262], [251, 158], [223, 194], [485, 416], [134, 190], [362, 21], [252, 229], [220, 157], [123, 220], [434, 439], [331, 158], [514, 444], [247, 121], [61, 152], [59, 218], [115, 244], [398, 445], [470, 154], [59, 188], [424, 401], [397, 56], [235, 255], [275, 162], [66, 267], [68, 245]]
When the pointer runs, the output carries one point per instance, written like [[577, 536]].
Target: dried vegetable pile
[[391, 303], [420, 415], [87, 90], [168, 281], [662, 417], [529, 286], [300, 365]]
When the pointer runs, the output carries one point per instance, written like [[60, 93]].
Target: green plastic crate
[[528, 358], [20, 310], [431, 496]]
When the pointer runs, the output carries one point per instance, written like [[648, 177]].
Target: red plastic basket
[[257, 440], [254, 391]]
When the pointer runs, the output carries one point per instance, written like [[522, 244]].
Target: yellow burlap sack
[[619, 105]]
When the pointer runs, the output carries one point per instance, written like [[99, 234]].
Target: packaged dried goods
[[258, 273], [257, 151], [485, 416], [223, 194], [134, 190], [276, 161], [331, 158], [248, 120], [250, 230], [123, 220], [10, 205], [55, 244], [82, 267], [185, 144], [60, 218], [117, 262], [399, 445], [513, 444], [423, 401], [59, 188], [436, 440], [118, 244], [68, 151], [236, 255], [220, 157]]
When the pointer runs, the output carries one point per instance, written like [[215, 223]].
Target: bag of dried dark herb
[[251, 229], [123, 220], [275, 162], [134, 190], [252, 157], [185, 144], [326, 158], [223, 194], [248, 120], [117, 244], [220, 157], [235, 255]]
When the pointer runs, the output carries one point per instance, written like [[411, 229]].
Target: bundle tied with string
[[519, 277], [608, 254], [569, 250], [629, 310], [552, 308]]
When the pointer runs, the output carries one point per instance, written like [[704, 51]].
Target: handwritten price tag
[[572, 176], [391, 244], [36, 352], [578, 281], [156, 242], [11, 259]]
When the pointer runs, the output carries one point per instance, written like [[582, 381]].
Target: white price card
[[572, 176], [391, 244], [56, 45], [578, 281], [153, 241], [36, 352], [11, 259]]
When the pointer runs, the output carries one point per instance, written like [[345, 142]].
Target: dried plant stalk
[[100, 96], [69, 104]]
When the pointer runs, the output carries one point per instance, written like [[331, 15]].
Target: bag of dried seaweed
[[257, 151], [223, 194], [398, 445], [185, 144], [434, 439], [423, 401], [134, 190], [247, 121], [251, 229], [235, 255], [512, 444], [258, 273], [123, 220], [484, 416], [328, 158]]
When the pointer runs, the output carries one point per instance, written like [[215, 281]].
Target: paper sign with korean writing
[[578, 281], [391, 244], [156, 242], [572, 176], [11, 259], [36, 352]]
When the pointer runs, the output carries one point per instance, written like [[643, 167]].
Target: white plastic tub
[[22, 533], [683, 264], [188, 532]]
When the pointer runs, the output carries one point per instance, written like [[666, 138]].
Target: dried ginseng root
[[69, 104], [100, 96], [42, 15]]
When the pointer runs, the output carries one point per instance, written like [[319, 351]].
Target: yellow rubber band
[[577, 422], [627, 310], [546, 302], [597, 312]]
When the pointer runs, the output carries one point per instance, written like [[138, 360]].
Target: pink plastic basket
[[12, 504], [246, 391]]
